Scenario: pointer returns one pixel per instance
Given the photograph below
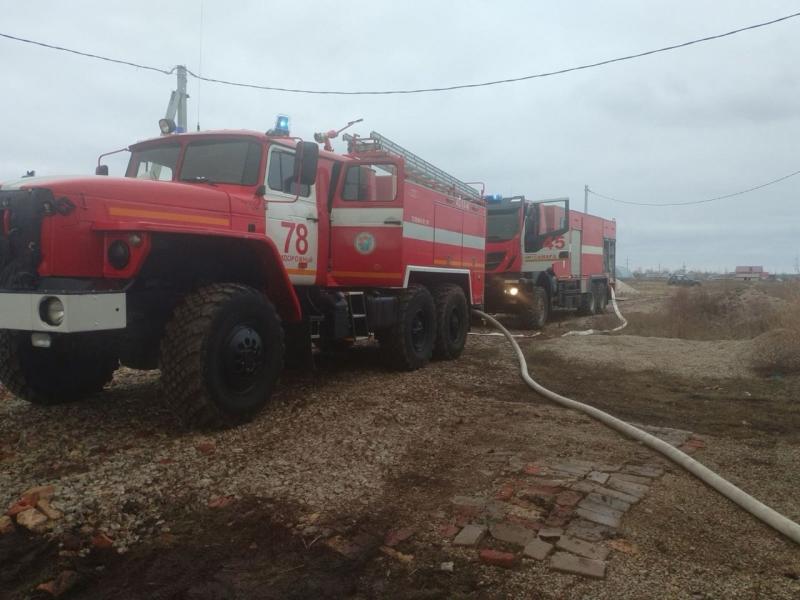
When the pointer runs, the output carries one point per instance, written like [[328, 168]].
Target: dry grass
[[778, 350], [703, 314]]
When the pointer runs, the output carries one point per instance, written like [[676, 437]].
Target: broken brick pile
[[561, 511]]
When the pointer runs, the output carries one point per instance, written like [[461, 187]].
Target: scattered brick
[[609, 501], [532, 469], [624, 546], [496, 511], [505, 492], [598, 477], [101, 541], [44, 492], [601, 519], [18, 507], [468, 505], [392, 553], [540, 492], [600, 508], [511, 533], [582, 548], [471, 535], [51, 513], [627, 487], [497, 558], [568, 498], [686, 449], [588, 487], [537, 549], [521, 512], [448, 530], [589, 531], [550, 533], [644, 470], [220, 501], [397, 536], [559, 516], [206, 447], [65, 581], [696, 443], [569, 563], [633, 478], [31, 519]]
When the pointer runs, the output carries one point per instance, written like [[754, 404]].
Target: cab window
[[370, 183], [280, 173], [157, 163]]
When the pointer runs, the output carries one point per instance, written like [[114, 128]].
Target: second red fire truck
[[221, 253], [542, 256]]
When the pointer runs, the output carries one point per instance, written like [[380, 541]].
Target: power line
[[88, 54], [419, 90], [748, 190]]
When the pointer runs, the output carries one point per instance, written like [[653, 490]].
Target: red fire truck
[[221, 252], [542, 256]]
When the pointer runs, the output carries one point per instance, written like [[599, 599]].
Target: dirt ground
[[343, 488]]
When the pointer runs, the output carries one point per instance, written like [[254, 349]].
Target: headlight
[[51, 311], [119, 254], [513, 291]]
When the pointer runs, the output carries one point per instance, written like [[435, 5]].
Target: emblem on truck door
[[364, 242]]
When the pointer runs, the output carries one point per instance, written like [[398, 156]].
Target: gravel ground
[[355, 449], [693, 358]]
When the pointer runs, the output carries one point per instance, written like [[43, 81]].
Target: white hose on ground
[[622, 325], [756, 508]]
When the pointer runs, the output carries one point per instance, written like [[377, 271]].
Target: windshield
[[157, 163], [502, 224], [214, 161]]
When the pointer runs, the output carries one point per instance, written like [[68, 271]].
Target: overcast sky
[[690, 124]]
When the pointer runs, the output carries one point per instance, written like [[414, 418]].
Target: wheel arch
[[432, 276], [189, 260]]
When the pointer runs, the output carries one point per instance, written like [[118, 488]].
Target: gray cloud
[[686, 125]]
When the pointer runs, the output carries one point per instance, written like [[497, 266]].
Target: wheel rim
[[418, 332], [244, 360]]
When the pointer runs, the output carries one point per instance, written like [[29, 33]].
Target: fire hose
[[756, 508]]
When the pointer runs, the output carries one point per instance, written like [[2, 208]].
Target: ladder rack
[[417, 169]]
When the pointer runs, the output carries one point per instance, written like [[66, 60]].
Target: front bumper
[[82, 312]]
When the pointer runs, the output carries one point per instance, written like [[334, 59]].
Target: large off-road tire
[[588, 305], [408, 344], [221, 355], [601, 298], [534, 311], [452, 321], [76, 365]]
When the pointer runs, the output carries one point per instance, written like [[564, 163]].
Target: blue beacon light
[[494, 198], [282, 125]]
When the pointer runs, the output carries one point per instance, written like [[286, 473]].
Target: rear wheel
[[75, 366], [221, 355], [533, 313], [588, 303], [408, 344], [452, 321]]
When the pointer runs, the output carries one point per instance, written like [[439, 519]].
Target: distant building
[[751, 273]]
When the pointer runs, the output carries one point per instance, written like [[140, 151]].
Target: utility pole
[[177, 102], [586, 199]]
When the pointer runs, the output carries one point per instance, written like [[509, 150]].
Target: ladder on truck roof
[[417, 169]]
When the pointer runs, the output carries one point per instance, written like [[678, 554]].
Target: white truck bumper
[[82, 312]]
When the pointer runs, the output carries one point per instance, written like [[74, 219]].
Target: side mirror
[[101, 170], [305, 163], [261, 191]]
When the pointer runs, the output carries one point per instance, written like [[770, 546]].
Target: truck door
[[543, 241], [367, 224], [292, 216]]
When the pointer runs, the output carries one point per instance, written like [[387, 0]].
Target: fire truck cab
[[220, 255], [542, 256]]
